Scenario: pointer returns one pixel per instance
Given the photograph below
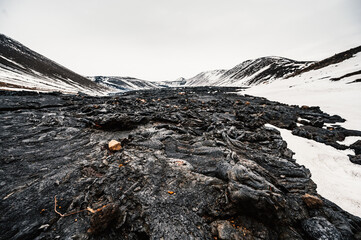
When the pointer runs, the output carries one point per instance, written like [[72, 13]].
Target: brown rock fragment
[[312, 201], [114, 145]]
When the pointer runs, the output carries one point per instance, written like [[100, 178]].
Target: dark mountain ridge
[[250, 72], [337, 58], [15, 57]]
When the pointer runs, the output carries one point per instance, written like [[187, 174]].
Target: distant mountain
[[206, 78], [179, 82], [267, 69], [120, 84], [23, 69], [248, 73]]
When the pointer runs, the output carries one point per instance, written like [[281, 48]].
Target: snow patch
[[349, 140]]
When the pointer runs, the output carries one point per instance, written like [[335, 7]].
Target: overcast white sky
[[167, 39]]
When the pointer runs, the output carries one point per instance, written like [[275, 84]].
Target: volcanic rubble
[[193, 163]]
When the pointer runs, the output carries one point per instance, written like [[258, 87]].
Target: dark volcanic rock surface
[[195, 164]]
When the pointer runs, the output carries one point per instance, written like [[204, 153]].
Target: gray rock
[[321, 229]]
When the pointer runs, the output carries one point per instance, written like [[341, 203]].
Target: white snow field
[[337, 179]]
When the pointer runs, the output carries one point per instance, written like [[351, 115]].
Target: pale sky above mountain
[[167, 39]]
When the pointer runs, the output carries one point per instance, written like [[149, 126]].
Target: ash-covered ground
[[195, 163]]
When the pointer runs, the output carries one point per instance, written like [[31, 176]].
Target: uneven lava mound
[[193, 163]]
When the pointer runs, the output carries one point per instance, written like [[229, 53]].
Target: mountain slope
[[337, 58], [335, 88], [120, 84], [23, 69], [267, 69], [250, 72], [205, 78]]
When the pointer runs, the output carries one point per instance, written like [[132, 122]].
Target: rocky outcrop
[[194, 164], [357, 148]]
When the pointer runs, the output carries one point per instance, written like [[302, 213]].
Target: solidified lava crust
[[194, 163]]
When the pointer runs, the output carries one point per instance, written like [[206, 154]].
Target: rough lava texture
[[195, 163]]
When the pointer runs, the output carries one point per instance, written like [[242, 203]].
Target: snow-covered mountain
[[179, 82], [206, 78], [248, 73], [23, 69], [334, 84], [268, 69], [122, 84]]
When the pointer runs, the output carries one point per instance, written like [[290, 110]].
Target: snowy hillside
[[249, 73], [121, 84], [335, 87], [206, 78], [24, 69]]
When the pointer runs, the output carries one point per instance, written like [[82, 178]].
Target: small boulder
[[312, 201], [356, 146], [355, 159], [320, 228], [317, 122], [114, 145]]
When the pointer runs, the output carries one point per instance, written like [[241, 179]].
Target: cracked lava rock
[[194, 163]]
